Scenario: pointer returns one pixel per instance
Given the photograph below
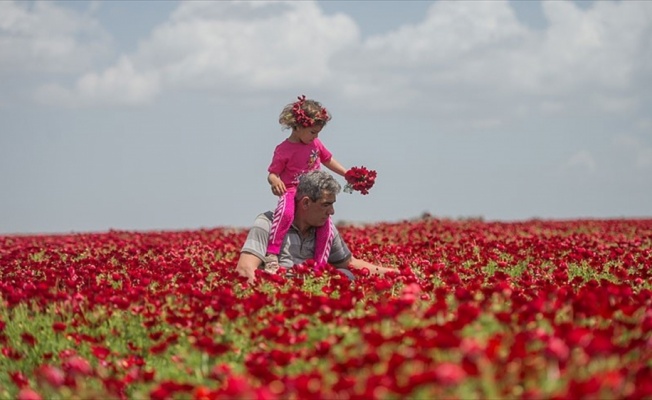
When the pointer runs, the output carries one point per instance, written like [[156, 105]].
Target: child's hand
[[278, 188]]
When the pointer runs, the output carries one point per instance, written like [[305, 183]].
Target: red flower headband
[[302, 118]]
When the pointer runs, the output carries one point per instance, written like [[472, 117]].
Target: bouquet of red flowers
[[360, 179]]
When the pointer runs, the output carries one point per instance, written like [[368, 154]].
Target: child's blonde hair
[[303, 112]]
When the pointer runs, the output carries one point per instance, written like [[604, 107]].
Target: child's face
[[307, 135]]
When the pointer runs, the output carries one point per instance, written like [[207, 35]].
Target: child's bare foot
[[271, 263]]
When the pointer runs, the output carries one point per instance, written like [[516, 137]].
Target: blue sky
[[147, 115]]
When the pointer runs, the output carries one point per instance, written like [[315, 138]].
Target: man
[[314, 200]]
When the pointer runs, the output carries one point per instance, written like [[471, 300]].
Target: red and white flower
[[359, 179]]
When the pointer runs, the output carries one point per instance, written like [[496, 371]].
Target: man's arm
[[357, 263], [247, 265], [254, 248]]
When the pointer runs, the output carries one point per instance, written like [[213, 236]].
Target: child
[[301, 152]]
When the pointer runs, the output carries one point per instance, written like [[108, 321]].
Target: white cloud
[[644, 157], [489, 123], [469, 56], [551, 107], [120, 84], [644, 124], [595, 46], [458, 45], [583, 159], [43, 37], [462, 51], [217, 45], [616, 104], [638, 150], [449, 32], [259, 45]]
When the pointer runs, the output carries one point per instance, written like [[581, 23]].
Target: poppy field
[[475, 309]]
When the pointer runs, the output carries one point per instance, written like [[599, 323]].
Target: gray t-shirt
[[294, 249]]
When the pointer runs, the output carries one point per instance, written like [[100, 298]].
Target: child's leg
[[324, 236], [283, 216]]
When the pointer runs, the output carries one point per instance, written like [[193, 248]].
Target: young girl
[[301, 152]]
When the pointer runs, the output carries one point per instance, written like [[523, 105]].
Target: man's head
[[316, 194]]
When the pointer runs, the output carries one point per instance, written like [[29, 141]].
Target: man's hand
[[247, 265], [357, 263]]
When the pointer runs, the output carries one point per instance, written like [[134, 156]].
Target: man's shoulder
[[264, 220]]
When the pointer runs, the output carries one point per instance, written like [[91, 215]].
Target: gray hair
[[315, 183]]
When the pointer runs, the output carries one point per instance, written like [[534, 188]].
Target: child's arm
[[278, 187], [335, 166]]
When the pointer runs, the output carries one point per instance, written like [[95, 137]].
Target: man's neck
[[303, 228]]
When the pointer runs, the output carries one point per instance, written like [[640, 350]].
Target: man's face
[[320, 210]]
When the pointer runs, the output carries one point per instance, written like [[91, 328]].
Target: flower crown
[[302, 118]]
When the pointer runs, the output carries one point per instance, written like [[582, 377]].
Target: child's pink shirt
[[290, 160]]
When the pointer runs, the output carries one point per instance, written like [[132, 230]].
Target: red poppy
[[53, 376], [100, 352], [359, 179], [11, 353], [158, 348], [28, 394], [28, 338], [19, 379], [448, 373], [58, 327], [77, 365], [557, 349]]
